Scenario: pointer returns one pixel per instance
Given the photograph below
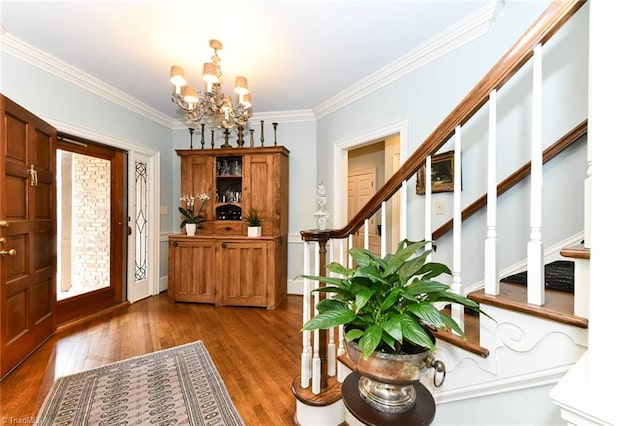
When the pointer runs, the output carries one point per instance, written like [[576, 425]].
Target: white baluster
[[341, 348], [366, 234], [403, 210], [428, 197], [331, 346], [316, 372], [383, 230], [457, 312], [491, 282], [305, 362], [535, 249]]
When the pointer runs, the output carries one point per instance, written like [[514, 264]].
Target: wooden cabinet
[[220, 264], [191, 269]]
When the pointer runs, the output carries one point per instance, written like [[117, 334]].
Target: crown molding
[[53, 65], [465, 31]]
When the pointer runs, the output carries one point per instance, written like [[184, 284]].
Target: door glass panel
[[84, 200], [141, 207]]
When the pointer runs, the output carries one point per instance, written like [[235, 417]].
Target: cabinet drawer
[[227, 227]]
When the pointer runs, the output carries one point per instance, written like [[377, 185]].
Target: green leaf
[[414, 333], [389, 341], [327, 304], [391, 299], [371, 272], [331, 318], [324, 279], [393, 327], [339, 269], [185, 212], [432, 270], [451, 323], [370, 340], [427, 313], [402, 254], [418, 287], [362, 297], [411, 267], [362, 257], [353, 334]]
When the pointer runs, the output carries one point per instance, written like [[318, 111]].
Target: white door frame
[[153, 157], [341, 169]]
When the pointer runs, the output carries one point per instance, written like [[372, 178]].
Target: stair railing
[[317, 355]]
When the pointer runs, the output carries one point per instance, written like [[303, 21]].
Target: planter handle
[[439, 367]]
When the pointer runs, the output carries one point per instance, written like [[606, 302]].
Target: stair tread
[[328, 396], [576, 252], [558, 304]]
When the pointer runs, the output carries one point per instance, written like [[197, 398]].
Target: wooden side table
[[421, 414]]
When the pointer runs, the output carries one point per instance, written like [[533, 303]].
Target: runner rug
[[175, 386]]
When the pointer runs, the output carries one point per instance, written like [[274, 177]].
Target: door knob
[[11, 252], [4, 223]]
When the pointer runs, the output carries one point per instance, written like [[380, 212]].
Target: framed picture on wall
[[441, 174]]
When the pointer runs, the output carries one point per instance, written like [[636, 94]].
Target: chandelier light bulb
[[210, 72], [246, 100], [177, 77], [190, 96], [242, 87]]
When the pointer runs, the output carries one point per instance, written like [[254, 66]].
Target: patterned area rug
[[558, 275], [176, 386]]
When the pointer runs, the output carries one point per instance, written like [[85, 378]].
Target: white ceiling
[[296, 54]]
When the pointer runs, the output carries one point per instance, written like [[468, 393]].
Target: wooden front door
[[27, 233]]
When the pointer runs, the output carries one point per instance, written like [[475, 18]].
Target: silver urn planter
[[387, 379]]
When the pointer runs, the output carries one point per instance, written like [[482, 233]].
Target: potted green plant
[[191, 218], [387, 306], [253, 223]]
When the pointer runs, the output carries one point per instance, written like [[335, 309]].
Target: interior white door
[[361, 187]]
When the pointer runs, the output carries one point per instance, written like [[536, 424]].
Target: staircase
[[536, 334]]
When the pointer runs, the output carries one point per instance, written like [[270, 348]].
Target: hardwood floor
[[256, 351]]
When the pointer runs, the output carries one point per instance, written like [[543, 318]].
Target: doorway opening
[[92, 228], [390, 143], [84, 200]]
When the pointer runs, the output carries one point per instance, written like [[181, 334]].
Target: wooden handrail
[[539, 32], [517, 176]]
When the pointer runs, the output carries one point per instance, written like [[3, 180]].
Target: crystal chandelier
[[212, 104]]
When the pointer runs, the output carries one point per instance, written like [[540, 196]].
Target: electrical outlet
[[440, 207], [164, 210]]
